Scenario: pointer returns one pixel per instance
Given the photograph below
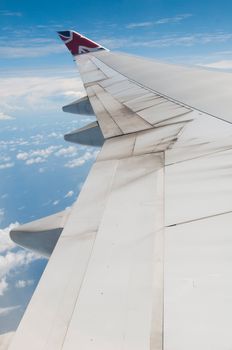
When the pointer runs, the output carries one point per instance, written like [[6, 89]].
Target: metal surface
[[109, 268], [162, 111], [199, 88], [90, 135], [41, 235], [81, 106], [123, 106], [144, 260], [198, 287]]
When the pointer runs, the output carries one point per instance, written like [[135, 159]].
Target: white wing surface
[[144, 260]]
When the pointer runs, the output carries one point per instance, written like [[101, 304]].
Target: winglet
[[78, 44]]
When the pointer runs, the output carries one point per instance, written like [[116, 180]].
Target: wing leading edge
[[143, 261]]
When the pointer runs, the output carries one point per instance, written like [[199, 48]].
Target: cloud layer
[[166, 20], [11, 258], [77, 162], [222, 64], [38, 93], [3, 286], [171, 40], [4, 116]]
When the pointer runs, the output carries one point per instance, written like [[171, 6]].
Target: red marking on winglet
[[78, 44]]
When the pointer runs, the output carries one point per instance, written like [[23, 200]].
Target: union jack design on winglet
[[77, 43]]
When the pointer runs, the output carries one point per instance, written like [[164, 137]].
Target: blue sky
[[183, 31], [40, 173]]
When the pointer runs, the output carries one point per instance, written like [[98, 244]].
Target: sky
[[40, 173]]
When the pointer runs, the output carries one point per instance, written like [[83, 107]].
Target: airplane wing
[[144, 257]]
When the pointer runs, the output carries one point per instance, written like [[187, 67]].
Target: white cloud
[[35, 160], [55, 135], [69, 194], [36, 156], [139, 25], [13, 143], [4, 158], [4, 116], [4, 311], [223, 64], [11, 260], [14, 260], [169, 40], [21, 208], [24, 283], [22, 156], [3, 286], [175, 19], [167, 20], [10, 13], [45, 152], [5, 195], [5, 241], [38, 93], [45, 49], [67, 151], [6, 165], [37, 137], [81, 160], [70, 93]]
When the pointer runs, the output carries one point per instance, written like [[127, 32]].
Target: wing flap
[[162, 111], [126, 120], [108, 125], [198, 303], [131, 107], [105, 268], [145, 101]]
